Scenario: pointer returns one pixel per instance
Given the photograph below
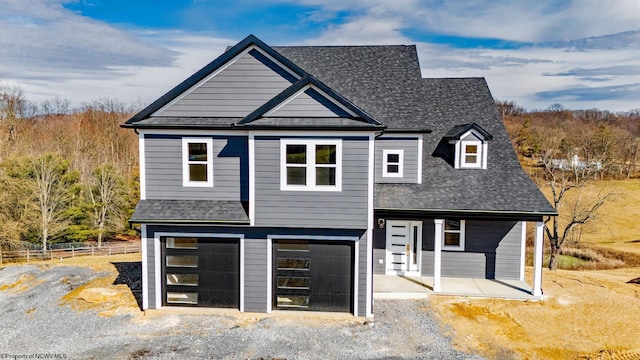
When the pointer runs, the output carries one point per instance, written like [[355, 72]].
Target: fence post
[[109, 251], [27, 255], [51, 253], [125, 249], [91, 250], [73, 252]]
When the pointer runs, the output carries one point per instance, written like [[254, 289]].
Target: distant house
[[286, 177], [576, 163]]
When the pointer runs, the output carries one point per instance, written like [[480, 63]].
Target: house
[[280, 178]]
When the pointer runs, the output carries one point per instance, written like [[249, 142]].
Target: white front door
[[404, 245]]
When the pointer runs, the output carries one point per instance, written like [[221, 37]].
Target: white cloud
[[363, 31], [50, 51], [527, 21]]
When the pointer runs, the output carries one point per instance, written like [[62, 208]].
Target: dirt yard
[[585, 315]]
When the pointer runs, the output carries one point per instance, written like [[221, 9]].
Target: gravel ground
[[35, 321]]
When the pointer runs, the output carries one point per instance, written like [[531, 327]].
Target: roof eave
[[475, 214], [183, 221]]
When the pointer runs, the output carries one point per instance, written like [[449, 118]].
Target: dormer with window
[[469, 146]]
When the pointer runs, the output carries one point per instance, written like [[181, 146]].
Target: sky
[[582, 54]]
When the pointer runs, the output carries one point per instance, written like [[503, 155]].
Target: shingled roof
[[386, 82], [386, 85]]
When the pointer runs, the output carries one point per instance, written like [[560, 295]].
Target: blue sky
[[579, 53]]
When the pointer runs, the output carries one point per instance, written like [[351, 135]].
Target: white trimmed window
[[470, 151], [471, 154], [197, 162], [392, 163], [453, 237], [311, 164]]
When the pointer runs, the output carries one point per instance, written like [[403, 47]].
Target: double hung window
[[197, 162], [392, 163], [471, 156], [453, 235], [314, 165]]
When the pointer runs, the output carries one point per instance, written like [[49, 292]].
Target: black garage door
[[311, 275], [200, 272]]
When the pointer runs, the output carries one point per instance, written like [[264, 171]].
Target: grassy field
[[617, 225]]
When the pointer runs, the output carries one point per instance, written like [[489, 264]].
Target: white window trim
[[460, 153], [385, 163], [310, 165], [463, 154], [462, 237], [185, 162]]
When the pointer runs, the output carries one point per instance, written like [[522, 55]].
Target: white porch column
[[437, 254], [523, 249], [537, 259]]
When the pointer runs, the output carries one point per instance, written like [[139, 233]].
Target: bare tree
[[107, 193], [12, 106], [55, 106], [563, 176], [52, 187]]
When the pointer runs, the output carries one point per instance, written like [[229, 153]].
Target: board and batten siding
[[235, 91], [255, 275], [346, 209], [163, 169], [492, 251], [410, 161]]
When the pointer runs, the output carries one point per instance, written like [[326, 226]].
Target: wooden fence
[[71, 252]]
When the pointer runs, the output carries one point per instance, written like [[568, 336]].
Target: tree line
[[65, 174], [563, 151], [72, 174]]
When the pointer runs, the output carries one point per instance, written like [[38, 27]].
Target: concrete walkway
[[416, 287]]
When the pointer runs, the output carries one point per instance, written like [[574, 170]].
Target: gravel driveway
[[36, 322]]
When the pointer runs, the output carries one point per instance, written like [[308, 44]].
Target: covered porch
[[416, 287]]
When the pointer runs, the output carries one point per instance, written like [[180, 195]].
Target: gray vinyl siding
[[508, 254], [457, 264], [410, 159], [255, 275], [152, 276], [378, 267], [362, 276], [234, 92], [492, 251], [163, 170], [319, 209], [303, 106]]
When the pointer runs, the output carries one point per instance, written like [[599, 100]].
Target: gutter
[[472, 214]]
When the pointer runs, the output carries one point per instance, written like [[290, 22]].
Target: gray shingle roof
[[205, 211], [385, 81], [381, 80], [503, 186], [457, 131]]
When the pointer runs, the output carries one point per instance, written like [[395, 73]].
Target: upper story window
[[471, 154], [311, 164], [197, 162], [453, 237], [470, 146], [392, 163]]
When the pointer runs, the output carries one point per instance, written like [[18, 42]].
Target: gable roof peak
[[250, 40], [459, 130]]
